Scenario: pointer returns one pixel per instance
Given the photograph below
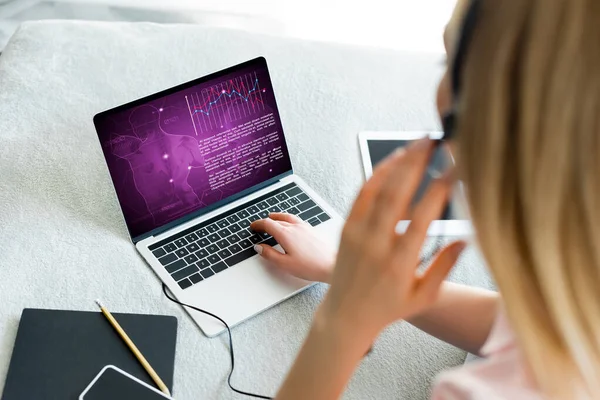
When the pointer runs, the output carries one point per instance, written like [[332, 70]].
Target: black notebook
[[58, 353]]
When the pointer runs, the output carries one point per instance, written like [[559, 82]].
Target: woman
[[526, 147]]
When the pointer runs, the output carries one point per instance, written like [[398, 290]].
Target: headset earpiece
[[466, 35], [449, 125]]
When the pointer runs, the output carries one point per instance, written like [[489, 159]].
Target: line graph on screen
[[226, 102]]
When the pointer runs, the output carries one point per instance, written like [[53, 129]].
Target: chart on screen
[[228, 101]]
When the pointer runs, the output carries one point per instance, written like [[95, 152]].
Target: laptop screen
[[184, 151]]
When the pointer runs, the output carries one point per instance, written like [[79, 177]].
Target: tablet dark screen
[[380, 149]]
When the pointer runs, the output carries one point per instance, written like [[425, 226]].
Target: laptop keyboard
[[213, 246]]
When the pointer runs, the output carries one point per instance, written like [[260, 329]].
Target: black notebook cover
[[58, 353]]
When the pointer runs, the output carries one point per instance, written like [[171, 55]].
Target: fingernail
[[421, 144], [449, 175], [399, 151], [258, 249], [460, 247]]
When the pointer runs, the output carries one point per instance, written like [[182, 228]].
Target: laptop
[[192, 167]]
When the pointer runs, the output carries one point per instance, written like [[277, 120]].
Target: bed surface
[[63, 242]]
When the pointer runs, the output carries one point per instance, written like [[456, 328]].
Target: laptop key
[[243, 214], [255, 239], [222, 223], [219, 267], [263, 214], [184, 284], [324, 217], [274, 209], [294, 191], [224, 233], [282, 197], [192, 247], [244, 223], [177, 265], [235, 248], [185, 272], [272, 201], [203, 264], [253, 218], [203, 242], [182, 252], [306, 205], [213, 248], [239, 257], [245, 243], [294, 211], [244, 234], [294, 201], [233, 239], [214, 237], [206, 273], [313, 212], [253, 210], [263, 235], [224, 253], [213, 258], [169, 258], [234, 228], [223, 244], [233, 219], [196, 278], [314, 221], [159, 253], [263, 205], [271, 241], [284, 205], [302, 197], [191, 259], [212, 228], [191, 237], [180, 242], [170, 247], [201, 253], [202, 232]]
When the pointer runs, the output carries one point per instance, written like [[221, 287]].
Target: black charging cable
[[174, 300]]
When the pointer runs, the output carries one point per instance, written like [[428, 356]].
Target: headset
[[456, 69]]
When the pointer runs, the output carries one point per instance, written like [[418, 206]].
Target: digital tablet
[[376, 146]]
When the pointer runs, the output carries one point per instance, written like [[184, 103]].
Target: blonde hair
[[528, 150]]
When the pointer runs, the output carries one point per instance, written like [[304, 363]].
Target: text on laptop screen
[[178, 153]]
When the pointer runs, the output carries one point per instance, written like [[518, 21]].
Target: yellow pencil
[[161, 385]]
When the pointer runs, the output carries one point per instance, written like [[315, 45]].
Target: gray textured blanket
[[63, 242]]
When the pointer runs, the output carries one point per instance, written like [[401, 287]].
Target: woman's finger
[[269, 226], [428, 209], [429, 283], [398, 190], [269, 253], [286, 217]]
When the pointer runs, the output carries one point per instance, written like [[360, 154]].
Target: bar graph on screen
[[226, 102]]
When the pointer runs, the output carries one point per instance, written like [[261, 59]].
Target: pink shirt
[[501, 375]]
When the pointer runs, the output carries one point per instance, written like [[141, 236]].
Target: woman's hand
[[307, 256], [375, 281]]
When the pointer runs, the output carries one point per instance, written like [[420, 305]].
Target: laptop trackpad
[[240, 292]]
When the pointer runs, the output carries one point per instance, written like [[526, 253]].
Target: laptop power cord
[[174, 300]]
